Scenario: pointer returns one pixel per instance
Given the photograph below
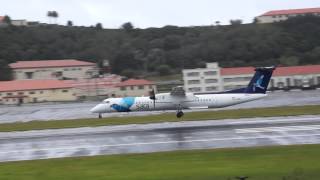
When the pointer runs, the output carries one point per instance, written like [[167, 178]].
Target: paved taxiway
[[124, 139]]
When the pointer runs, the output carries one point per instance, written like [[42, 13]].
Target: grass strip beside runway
[[262, 163], [165, 117]]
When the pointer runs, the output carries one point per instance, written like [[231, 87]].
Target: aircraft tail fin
[[260, 81]]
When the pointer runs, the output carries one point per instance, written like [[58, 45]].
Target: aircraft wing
[[178, 91]]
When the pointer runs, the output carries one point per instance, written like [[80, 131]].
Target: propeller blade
[[153, 97]]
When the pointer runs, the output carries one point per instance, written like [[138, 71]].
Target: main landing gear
[[179, 114], [100, 116], [179, 111]]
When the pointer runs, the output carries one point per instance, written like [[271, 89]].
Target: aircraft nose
[[98, 109]]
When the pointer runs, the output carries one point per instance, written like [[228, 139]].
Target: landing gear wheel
[[100, 116], [180, 114]]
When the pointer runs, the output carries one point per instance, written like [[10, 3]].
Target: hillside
[[136, 52]]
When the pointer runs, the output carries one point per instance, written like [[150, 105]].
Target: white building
[[282, 15], [53, 69], [233, 78], [202, 79]]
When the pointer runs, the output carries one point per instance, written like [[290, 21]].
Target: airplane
[[178, 99]]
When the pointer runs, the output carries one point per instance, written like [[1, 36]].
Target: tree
[[163, 70], [6, 72], [53, 15], [289, 61], [235, 22], [128, 27], [99, 26], [69, 23], [7, 20], [217, 23], [255, 20]]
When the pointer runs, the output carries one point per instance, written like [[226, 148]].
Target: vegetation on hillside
[[137, 52]]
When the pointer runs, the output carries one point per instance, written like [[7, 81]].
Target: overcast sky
[[146, 13]]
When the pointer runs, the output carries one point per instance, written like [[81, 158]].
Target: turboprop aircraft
[[178, 99]]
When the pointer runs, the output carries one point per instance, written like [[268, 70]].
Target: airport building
[[135, 87], [204, 80], [53, 69], [104, 86], [294, 77], [33, 91], [282, 15]]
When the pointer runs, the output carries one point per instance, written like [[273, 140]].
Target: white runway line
[[279, 129], [157, 143]]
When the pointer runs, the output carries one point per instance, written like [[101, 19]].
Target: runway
[[76, 110], [30, 145]]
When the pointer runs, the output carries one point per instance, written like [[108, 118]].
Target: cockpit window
[[106, 102]]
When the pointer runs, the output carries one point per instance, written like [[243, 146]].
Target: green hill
[[153, 51]]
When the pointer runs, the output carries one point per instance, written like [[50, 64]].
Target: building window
[[211, 88], [65, 90], [9, 94], [29, 75], [191, 74], [210, 73], [195, 89], [194, 82], [141, 87], [123, 88], [211, 80], [31, 92], [150, 87], [20, 93], [132, 87], [41, 92]]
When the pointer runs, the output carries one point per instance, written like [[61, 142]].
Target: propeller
[[153, 97]]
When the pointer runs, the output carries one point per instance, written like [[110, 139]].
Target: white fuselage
[[165, 101]]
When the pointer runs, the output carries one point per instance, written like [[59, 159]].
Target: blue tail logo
[[260, 81], [258, 84]]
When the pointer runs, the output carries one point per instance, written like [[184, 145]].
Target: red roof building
[[135, 87], [292, 11], [27, 85], [53, 69], [282, 15], [31, 91], [1, 18], [280, 71], [49, 64]]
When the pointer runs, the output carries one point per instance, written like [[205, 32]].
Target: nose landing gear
[[100, 116]]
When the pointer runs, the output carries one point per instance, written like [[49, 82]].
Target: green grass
[[165, 117], [263, 163]]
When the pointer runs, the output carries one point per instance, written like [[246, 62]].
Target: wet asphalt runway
[[29, 145], [78, 110]]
